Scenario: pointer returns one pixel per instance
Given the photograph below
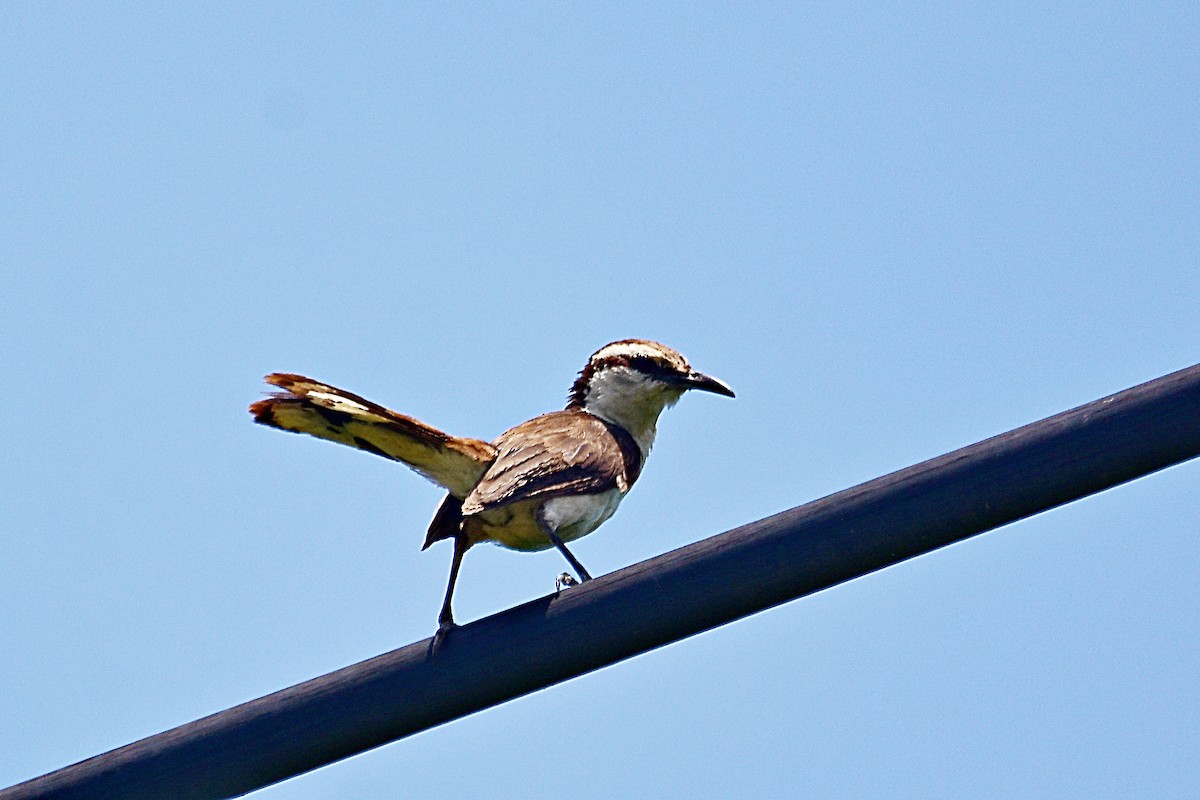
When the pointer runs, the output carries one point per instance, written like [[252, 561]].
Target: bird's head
[[630, 382]]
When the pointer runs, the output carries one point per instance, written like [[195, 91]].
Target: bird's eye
[[645, 364]]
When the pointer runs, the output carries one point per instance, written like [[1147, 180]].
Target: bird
[[541, 484]]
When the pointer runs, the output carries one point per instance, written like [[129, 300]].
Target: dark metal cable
[[681, 593]]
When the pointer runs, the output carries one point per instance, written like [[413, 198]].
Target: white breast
[[515, 526], [573, 516]]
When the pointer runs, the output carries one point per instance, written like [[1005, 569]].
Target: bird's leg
[[562, 548], [446, 617]]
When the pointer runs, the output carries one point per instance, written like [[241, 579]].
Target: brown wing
[[306, 406], [564, 452]]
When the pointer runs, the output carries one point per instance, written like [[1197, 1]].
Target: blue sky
[[893, 230]]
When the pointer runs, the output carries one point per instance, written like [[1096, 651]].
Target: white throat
[[632, 400]]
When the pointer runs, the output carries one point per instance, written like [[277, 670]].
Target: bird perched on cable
[[544, 483]]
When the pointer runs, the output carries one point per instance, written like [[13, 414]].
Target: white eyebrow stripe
[[630, 349]]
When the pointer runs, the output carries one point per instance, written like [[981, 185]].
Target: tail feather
[[306, 406]]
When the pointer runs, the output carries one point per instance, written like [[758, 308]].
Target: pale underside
[[515, 525]]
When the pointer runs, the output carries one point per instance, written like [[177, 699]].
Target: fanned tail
[[307, 406]]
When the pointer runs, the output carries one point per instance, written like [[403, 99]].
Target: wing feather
[[564, 452]]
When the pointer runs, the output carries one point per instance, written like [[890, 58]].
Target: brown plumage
[[564, 452], [557, 454]]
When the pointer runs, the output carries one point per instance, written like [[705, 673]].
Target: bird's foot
[[443, 631]]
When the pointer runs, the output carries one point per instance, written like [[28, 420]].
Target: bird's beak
[[707, 383]]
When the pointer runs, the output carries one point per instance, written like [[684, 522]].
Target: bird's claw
[[443, 631]]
